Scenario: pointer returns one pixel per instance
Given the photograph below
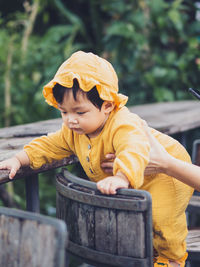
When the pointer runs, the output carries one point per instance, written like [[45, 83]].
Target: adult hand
[[107, 165], [157, 161]]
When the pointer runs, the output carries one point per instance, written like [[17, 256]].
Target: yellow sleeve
[[54, 146], [132, 152]]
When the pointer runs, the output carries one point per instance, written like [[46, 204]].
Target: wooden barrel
[[114, 230]]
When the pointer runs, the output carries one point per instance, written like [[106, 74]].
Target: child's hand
[[110, 184], [107, 165], [12, 164]]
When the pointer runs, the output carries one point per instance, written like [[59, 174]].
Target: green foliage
[[153, 45], [31, 69]]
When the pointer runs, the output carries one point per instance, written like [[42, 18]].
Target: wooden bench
[[31, 240], [105, 230]]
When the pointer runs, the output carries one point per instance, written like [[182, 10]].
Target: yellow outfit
[[160, 261], [123, 135]]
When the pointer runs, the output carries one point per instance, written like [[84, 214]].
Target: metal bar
[[32, 193]]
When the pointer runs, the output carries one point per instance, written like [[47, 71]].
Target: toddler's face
[[81, 115]]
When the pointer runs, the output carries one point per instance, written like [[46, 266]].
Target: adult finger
[[110, 156], [107, 164], [108, 170]]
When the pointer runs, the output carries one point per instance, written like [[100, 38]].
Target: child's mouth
[[76, 129]]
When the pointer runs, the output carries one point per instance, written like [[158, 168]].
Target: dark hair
[[92, 95]]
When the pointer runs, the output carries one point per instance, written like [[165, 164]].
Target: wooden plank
[[29, 239], [71, 220], [9, 147], [9, 241], [105, 230], [31, 129], [86, 224], [29, 244], [170, 117], [26, 171], [47, 247], [193, 241], [61, 206], [131, 234], [80, 222], [37, 247], [195, 203]]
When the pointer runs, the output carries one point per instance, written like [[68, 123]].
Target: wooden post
[[183, 139], [32, 193]]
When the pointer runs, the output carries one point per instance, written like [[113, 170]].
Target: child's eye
[[80, 113], [63, 112]]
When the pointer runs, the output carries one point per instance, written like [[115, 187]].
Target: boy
[[95, 123]]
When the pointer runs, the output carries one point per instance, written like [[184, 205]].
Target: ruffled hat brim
[[90, 70]]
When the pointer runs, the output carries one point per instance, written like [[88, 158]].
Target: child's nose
[[72, 119]]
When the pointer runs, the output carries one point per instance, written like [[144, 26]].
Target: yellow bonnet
[[90, 70]]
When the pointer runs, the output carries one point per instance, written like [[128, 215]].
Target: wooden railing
[[31, 180], [170, 118]]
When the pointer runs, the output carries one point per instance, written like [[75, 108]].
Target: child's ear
[[108, 106]]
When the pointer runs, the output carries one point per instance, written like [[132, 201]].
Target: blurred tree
[[153, 45]]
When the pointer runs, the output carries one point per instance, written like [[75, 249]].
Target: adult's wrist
[[167, 164]]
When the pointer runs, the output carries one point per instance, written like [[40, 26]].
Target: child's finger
[[113, 189], [12, 173], [105, 189], [100, 186]]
